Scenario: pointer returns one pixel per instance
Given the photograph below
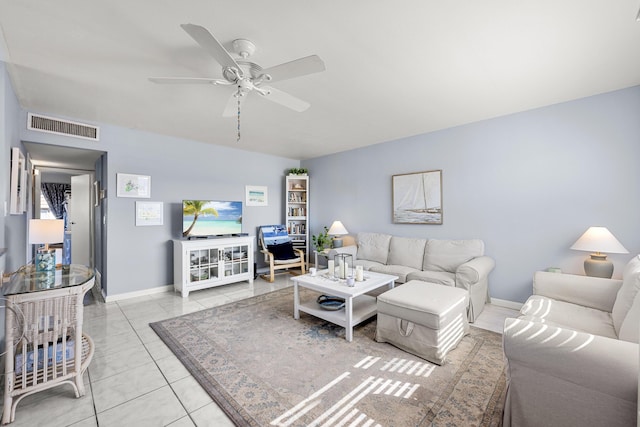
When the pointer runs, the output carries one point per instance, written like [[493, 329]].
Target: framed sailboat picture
[[417, 197]]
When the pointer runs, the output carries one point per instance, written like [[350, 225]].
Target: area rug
[[263, 368]]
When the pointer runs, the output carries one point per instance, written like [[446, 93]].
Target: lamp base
[[598, 266], [45, 260], [336, 242]]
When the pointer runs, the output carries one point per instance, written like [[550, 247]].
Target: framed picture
[[417, 198], [256, 195], [149, 213], [129, 185], [18, 183]]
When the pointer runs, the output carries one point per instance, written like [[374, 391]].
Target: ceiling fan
[[244, 75]]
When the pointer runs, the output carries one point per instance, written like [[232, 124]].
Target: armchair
[[276, 245], [572, 354]]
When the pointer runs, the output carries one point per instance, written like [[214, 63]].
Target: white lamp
[[598, 240], [337, 229], [45, 231]]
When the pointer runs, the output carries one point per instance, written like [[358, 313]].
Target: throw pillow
[[373, 247], [282, 251]]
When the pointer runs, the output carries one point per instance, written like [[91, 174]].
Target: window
[[45, 212]]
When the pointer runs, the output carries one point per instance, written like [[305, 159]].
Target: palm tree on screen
[[195, 208]]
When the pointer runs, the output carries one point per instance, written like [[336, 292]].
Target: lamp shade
[[599, 239], [46, 231], [337, 229]]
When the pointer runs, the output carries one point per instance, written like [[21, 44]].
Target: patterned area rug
[[264, 368]]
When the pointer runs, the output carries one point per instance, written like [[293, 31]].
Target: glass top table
[[28, 280]]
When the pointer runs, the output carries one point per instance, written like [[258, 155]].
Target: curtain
[[54, 195]]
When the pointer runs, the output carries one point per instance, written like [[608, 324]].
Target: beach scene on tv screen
[[211, 218]]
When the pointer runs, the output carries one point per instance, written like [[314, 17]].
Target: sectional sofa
[[459, 263]]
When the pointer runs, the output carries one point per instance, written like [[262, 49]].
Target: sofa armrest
[[587, 291], [581, 360], [474, 271], [351, 250]]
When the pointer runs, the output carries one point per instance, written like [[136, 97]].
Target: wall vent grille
[[41, 123]]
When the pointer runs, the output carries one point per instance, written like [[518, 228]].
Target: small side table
[[43, 330]]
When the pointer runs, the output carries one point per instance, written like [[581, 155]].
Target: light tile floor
[[135, 380]]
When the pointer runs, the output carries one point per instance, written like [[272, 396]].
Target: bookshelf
[[297, 211]]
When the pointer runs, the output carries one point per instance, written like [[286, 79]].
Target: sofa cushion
[[448, 255], [282, 251], [407, 251], [440, 277], [630, 328], [627, 292], [373, 247], [564, 314], [395, 270], [367, 265]]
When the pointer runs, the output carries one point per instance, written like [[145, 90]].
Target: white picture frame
[[417, 197], [149, 213], [19, 191], [256, 195], [131, 185]]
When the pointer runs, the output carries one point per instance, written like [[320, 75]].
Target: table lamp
[[45, 231], [598, 240], [337, 229]]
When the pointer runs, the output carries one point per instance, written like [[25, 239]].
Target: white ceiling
[[393, 69]]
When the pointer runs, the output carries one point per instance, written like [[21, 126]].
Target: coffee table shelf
[[364, 307]]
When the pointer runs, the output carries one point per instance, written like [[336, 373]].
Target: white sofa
[[572, 354], [459, 263]]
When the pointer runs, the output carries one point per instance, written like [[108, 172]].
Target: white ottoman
[[422, 318]]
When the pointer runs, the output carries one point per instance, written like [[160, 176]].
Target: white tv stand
[[205, 263]]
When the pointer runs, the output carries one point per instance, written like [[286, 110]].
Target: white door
[[80, 220]]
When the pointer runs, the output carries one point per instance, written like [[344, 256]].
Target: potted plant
[[297, 171], [321, 240]]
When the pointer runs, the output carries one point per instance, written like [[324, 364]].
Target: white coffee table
[[358, 306]]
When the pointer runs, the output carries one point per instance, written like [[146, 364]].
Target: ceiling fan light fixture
[[245, 75], [232, 74]]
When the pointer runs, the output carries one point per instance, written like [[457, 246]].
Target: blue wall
[[528, 184], [12, 227], [141, 258]]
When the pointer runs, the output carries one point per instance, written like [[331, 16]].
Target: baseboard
[[128, 295], [506, 303]]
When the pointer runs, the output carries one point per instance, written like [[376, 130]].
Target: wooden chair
[[276, 245]]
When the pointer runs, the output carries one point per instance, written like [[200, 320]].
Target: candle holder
[[344, 265]]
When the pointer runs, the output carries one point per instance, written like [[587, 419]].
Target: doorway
[[81, 173]]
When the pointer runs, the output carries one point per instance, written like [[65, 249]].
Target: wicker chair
[[45, 344], [276, 245]]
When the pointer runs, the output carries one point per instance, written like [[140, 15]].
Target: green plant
[[321, 240], [297, 171]]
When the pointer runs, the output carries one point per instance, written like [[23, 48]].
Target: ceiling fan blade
[[188, 80], [209, 43], [297, 68], [231, 109], [283, 98]]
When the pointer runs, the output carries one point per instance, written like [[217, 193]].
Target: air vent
[[62, 127]]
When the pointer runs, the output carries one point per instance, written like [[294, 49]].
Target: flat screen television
[[206, 218]]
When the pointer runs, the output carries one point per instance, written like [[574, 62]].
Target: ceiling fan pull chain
[[238, 96]]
